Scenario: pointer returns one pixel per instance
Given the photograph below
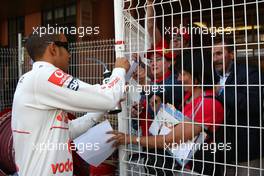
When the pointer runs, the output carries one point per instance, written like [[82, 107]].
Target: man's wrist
[[137, 139], [134, 139]]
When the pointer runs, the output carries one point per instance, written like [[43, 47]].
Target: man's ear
[[52, 49], [231, 55]]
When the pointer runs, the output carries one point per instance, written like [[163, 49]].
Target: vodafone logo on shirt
[[111, 84], [58, 77], [62, 117], [62, 167]]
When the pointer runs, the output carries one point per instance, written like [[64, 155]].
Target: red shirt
[[210, 111]]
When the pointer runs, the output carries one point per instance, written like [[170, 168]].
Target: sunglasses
[[65, 45]]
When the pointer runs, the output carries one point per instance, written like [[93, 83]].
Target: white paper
[[166, 119], [154, 128], [95, 137], [163, 120], [131, 70], [185, 151], [164, 130]]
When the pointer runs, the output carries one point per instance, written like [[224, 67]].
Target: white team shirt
[[41, 130]]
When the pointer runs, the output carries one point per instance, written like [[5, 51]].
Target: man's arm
[[153, 30], [54, 89], [181, 133], [82, 124]]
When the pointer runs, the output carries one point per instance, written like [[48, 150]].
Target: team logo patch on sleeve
[[74, 84], [58, 77]]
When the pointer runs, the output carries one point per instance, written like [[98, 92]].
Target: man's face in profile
[[222, 57], [63, 55]]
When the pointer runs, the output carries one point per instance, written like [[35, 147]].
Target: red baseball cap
[[161, 49]]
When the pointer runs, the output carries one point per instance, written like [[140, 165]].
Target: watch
[[138, 139]]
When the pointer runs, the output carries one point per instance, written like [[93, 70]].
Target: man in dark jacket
[[241, 87]]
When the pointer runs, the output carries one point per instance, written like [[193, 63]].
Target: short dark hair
[[227, 41], [36, 44], [200, 64]]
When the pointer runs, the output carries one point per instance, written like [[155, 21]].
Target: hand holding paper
[[167, 117], [96, 137]]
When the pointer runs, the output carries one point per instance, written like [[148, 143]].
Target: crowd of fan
[[203, 79]]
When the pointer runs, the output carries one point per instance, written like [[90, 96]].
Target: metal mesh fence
[[89, 61], [226, 90], [8, 76], [204, 58]]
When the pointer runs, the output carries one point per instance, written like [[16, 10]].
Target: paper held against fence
[[165, 120], [92, 146]]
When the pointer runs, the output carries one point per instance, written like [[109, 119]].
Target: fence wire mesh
[[211, 126], [204, 58], [8, 76]]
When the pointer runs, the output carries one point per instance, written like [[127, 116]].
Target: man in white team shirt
[[44, 94]]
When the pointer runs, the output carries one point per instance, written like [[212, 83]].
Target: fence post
[[119, 49], [20, 55]]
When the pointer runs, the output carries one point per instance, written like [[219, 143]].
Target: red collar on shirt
[[166, 75], [208, 92]]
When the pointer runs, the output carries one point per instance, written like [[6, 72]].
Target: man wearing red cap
[[164, 85], [162, 57], [161, 63]]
